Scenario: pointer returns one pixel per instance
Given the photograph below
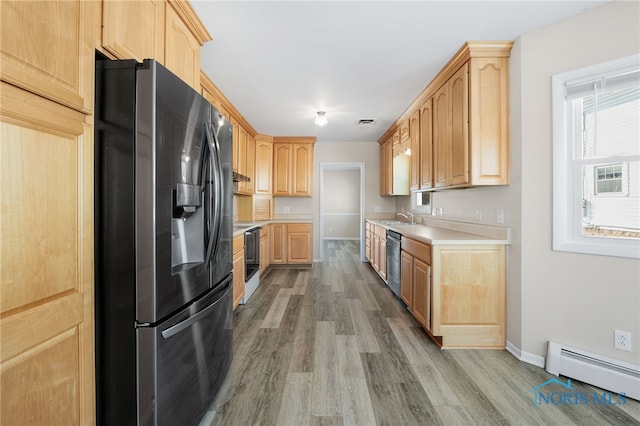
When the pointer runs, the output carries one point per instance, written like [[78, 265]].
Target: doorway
[[342, 203]]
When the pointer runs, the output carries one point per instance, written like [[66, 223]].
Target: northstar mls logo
[[570, 396]]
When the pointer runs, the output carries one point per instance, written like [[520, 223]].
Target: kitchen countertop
[[239, 228], [438, 235]]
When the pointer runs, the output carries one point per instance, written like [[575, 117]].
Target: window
[[596, 159], [609, 179]]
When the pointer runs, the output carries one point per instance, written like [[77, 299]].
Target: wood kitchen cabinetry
[[464, 128], [414, 143], [168, 31], [425, 146], [134, 29], [293, 166], [46, 226], [291, 243], [395, 162], [451, 130], [246, 154], [459, 307], [415, 279], [238, 269], [264, 164], [377, 242]]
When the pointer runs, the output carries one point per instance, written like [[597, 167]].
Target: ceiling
[[281, 62]]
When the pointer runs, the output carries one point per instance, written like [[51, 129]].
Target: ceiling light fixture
[[321, 119]]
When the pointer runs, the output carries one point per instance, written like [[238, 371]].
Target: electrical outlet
[[500, 216], [622, 340], [479, 215], [285, 209]]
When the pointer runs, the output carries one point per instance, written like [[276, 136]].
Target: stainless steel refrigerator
[[163, 230]]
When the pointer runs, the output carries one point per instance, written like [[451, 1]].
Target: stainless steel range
[[251, 260]]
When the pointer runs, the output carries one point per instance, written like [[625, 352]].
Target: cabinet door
[[264, 166], [383, 170], [134, 29], [389, 162], [426, 145], [406, 278], [182, 49], [459, 99], [489, 129], [48, 48], [383, 258], [442, 137], [414, 136], [46, 260], [299, 243], [421, 278], [278, 250], [242, 159], [251, 163], [235, 133], [282, 169], [302, 170], [376, 252]]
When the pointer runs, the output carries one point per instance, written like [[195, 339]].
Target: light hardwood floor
[[333, 346]]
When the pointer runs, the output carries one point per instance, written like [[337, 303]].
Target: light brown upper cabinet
[[166, 30], [426, 145], [464, 121], [414, 144], [182, 42], [293, 166], [384, 161], [134, 29], [451, 130], [264, 164], [48, 48]]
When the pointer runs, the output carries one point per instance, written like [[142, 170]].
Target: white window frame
[[624, 180], [567, 170]]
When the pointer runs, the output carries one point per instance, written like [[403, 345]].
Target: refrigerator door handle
[[183, 325], [217, 202]]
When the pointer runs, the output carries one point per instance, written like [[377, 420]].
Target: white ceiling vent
[[365, 122]]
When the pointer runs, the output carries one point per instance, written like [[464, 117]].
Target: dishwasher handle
[[393, 235]]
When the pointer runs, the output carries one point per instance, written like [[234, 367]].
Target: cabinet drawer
[[417, 249], [238, 243], [380, 231], [299, 227]]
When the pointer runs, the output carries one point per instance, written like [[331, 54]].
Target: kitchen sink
[[393, 222]]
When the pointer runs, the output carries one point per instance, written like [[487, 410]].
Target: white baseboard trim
[[529, 358]]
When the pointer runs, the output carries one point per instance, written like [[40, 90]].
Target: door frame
[[347, 165]]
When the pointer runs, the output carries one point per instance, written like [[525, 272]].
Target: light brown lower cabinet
[[456, 292], [291, 243], [378, 249], [238, 269]]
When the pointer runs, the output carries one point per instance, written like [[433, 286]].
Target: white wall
[[334, 152], [341, 203], [577, 299]]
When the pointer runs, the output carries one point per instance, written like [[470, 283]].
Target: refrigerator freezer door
[[184, 360]]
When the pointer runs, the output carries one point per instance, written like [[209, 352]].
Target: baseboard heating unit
[[606, 373]]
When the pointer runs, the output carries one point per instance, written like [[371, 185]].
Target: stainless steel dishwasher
[[393, 261]]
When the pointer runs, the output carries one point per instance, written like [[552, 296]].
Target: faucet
[[408, 215]]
